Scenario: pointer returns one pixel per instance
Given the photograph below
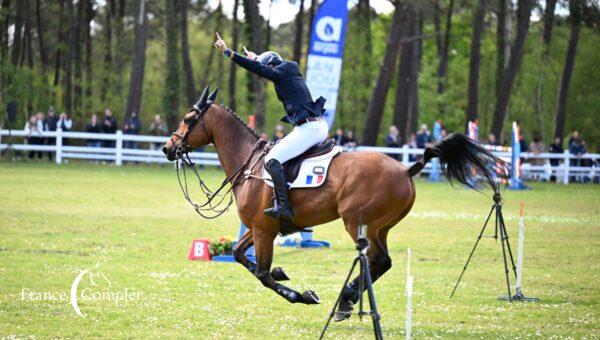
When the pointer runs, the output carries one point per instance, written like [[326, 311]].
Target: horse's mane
[[240, 119]]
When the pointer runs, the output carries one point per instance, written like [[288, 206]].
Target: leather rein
[[213, 207]]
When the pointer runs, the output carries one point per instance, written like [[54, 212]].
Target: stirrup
[[278, 213]]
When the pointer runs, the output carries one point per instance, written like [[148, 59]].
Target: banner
[[324, 61]]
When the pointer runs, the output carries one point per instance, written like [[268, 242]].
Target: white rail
[[18, 140]]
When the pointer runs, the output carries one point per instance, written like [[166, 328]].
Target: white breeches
[[299, 140]]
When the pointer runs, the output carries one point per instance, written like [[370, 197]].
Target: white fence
[[563, 172]]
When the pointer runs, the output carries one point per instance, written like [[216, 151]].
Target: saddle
[[291, 168]]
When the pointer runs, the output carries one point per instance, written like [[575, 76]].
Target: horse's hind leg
[[263, 243], [239, 253]]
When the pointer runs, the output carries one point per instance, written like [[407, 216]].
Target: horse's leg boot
[[344, 311], [284, 208]]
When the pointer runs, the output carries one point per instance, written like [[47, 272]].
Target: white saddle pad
[[312, 173]]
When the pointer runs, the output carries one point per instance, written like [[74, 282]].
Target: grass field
[[56, 221]]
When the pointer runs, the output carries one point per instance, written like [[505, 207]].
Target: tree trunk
[[206, 79], [28, 36], [404, 82], [172, 84], [68, 61], [40, 35], [563, 89], [500, 44], [473, 91], [299, 33], [413, 102], [18, 33], [384, 79], [4, 24], [78, 59], [59, 45], [107, 51], [119, 60], [190, 86], [514, 62], [234, 45], [90, 13], [311, 17], [443, 64], [258, 89], [136, 81], [546, 38]]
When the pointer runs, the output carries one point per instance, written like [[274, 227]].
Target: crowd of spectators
[[40, 122]]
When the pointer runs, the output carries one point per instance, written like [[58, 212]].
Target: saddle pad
[[312, 173]]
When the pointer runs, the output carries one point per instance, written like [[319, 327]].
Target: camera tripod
[[364, 281], [499, 232]]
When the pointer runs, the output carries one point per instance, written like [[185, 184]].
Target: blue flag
[[324, 61]]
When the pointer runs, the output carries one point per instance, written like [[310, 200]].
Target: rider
[[301, 111]]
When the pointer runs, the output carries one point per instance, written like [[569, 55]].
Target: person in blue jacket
[[301, 111]]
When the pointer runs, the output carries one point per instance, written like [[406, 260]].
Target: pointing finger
[[218, 36]]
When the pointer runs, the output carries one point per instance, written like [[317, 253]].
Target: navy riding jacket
[[290, 87]]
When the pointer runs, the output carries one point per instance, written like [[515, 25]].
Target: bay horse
[[360, 185]]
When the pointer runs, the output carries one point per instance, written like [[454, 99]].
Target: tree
[[234, 45], [443, 45], [88, 66], [254, 34], [405, 81], [172, 83], [78, 58], [575, 8], [384, 79], [299, 33], [60, 44], [546, 39], [68, 60], [190, 86], [473, 93], [136, 81], [40, 35], [4, 24], [107, 48], [514, 62], [17, 45]]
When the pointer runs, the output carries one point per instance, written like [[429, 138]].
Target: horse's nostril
[[165, 150]]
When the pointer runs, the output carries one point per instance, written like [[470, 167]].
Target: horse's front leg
[[239, 253], [263, 244]]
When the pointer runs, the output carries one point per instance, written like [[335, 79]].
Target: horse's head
[[192, 132]]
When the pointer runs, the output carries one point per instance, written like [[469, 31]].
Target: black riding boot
[[284, 208]]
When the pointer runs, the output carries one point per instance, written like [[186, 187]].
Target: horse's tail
[[464, 161]]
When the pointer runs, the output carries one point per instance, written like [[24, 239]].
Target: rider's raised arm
[[254, 66]]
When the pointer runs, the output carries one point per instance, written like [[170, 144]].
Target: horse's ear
[[213, 95], [202, 101]]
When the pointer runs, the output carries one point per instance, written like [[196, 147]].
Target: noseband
[[183, 147]]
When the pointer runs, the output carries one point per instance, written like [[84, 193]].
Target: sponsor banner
[[324, 61]]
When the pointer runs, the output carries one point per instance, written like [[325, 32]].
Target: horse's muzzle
[[170, 153]]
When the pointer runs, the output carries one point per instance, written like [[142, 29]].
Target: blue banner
[[324, 61]]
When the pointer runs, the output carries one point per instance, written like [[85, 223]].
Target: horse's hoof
[[309, 297], [278, 274], [344, 311]]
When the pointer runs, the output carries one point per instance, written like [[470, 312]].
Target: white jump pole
[[520, 251], [409, 293]]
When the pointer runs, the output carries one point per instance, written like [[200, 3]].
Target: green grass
[[56, 221]]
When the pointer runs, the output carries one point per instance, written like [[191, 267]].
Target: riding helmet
[[270, 58]]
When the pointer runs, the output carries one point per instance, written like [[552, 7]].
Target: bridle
[[213, 207], [183, 147]]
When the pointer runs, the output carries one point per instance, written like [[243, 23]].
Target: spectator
[[536, 147], [412, 143], [51, 122], [576, 148], [555, 147], [443, 133], [93, 126], [340, 139], [157, 128], [109, 125], [34, 138], [424, 137], [279, 133], [492, 139], [132, 127], [350, 140], [392, 140], [42, 126], [65, 124]]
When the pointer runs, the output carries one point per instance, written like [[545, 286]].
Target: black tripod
[[364, 278], [500, 231]]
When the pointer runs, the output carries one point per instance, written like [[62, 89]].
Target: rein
[[214, 200]]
